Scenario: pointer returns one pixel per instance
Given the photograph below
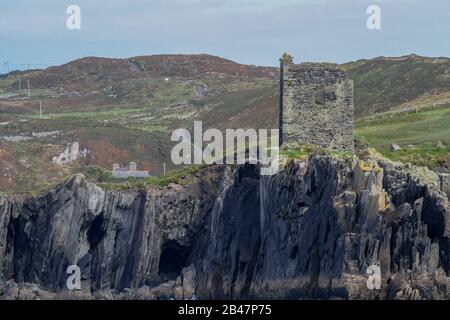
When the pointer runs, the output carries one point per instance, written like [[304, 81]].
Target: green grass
[[423, 155], [97, 174], [5, 83], [305, 151], [298, 151], [175, 176], [295, 154], [167, 92], [148, 127], [417, 133], [105, 179], [104, 114], [341, 154]]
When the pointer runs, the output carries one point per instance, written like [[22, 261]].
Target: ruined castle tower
[[316, 104]]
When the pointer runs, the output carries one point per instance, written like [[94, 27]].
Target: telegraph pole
[[6, 65]]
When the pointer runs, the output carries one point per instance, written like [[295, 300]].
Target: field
[[424, 136]]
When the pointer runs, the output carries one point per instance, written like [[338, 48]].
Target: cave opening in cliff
[[96, 232], [174, 257]]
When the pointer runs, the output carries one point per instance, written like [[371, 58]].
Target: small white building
[[128, 171]]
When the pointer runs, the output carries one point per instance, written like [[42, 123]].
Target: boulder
[[395, 147], [189, 281]]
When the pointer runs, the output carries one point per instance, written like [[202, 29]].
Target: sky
[[247, 31]]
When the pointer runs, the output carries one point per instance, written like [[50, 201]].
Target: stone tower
[[316, 104]]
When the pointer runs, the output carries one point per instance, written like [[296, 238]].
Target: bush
[[98, 174]]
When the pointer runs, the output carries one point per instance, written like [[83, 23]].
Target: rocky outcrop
[[311, 231], [445, 183], [118, 239], [318, 230]]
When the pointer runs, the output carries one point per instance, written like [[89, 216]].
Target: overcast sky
[[247, 31]]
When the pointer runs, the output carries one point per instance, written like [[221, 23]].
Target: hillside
[[382, 84], [122, 110], [81, 74], [168, 88]]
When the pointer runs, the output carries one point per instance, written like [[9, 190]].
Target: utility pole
[[40, 108], [28, 83], [6, 65]]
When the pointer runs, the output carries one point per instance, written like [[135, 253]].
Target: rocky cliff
[[311, 231]]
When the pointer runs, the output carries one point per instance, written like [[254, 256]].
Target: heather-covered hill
[[383, 84]]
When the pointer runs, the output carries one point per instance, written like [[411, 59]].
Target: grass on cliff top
[[424, 136], [105, 179], [181, 176], [297, 150], [303, 151]]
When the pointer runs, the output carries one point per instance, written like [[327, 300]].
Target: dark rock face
[[229, 266], [311, 231], [317, 229], [117, 239]]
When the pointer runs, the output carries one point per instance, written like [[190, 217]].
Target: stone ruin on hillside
[[316, 105], [71, 153]]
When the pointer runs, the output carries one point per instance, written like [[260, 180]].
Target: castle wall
[[316, 105]]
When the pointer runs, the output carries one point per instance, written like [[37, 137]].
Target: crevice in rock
[[96, 232]]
